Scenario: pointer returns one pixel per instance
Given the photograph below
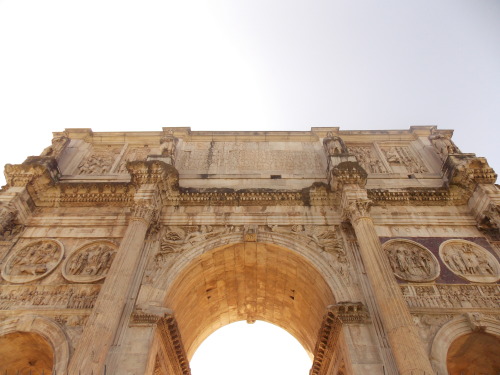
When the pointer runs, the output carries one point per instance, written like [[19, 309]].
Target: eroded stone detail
[[90, 262], [429, 324], [132, 154], [402, 156], [33, 261], [443, 144], [452, 296], [470, 261], [411, 261], [59, 142], [16, 297], [99, 161], [368, 159]]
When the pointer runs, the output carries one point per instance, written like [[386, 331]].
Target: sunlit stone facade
[[378, 250]]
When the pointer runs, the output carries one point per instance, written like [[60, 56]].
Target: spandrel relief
[[90, 262], [133, 154], [368, 159], [33, 261], [470, 261], [99, 161], [411, 261], [402, 160]]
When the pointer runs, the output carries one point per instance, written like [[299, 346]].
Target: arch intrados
[[47, 329], [227, 284], [341, 290], [453, 330]]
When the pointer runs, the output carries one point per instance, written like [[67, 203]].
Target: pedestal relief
[[470, 261], [33, 261], [90, 262], [411, 261]]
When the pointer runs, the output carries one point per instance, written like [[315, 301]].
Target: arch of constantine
[[120, 252]]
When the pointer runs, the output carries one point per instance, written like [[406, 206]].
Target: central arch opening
[[260, 348], [249, 281]]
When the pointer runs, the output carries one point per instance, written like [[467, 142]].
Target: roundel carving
[[411, 261], [33, 261], [470, 261], [90, 262]]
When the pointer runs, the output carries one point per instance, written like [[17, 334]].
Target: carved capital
[[154, 172], [356, 209], [349, 312], [144, 211], [39, 171], [147, 316]]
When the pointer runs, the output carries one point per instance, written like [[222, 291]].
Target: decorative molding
[[451, 296], [23, 297], [171, 344], [350, 312]]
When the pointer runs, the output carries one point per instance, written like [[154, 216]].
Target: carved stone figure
[[411, 261], [444, 145], [470, 261], [58, 144], [167, 146], [90, 262], [134, 153], [367, 159], [33, 261], [99, 161], [334, 145], [402, 156]]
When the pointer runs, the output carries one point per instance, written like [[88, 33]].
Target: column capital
[[145, 211], [355, 205]]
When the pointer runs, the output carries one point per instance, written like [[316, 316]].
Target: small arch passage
[[249, 281], [25, 353], [474, 353]]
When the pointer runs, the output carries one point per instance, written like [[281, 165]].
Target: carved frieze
[[470, 261], [90, 262], [402, 159], [368, 159], [132, 153], [16, 297], [452, 296], [411, 261], [33, 261], [99, 161]]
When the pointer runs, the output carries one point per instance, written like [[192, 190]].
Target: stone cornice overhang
[[42, 179]]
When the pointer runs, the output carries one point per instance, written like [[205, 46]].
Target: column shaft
[[97, 337], [408, 350]]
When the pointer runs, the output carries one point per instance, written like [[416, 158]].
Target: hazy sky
[[248, 65]]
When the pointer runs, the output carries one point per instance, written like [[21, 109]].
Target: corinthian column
[[103, 323], [408, 350]]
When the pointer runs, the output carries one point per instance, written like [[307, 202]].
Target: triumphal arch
[[378, 251]]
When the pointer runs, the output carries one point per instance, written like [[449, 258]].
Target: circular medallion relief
[[470, 261], [33, 261], [90, 262], [411, 261]]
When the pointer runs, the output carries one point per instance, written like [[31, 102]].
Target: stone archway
[[42, 341], [472, 334], [212, 287], [249, 281]]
